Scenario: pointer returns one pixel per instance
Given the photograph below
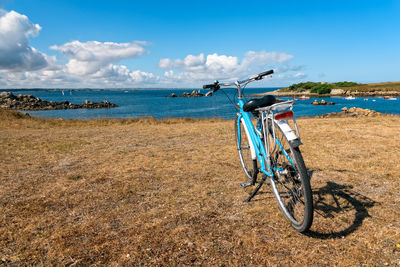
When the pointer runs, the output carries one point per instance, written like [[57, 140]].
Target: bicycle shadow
[[339, 211]]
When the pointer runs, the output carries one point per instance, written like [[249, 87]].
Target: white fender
[[252, 150], [286, 129]]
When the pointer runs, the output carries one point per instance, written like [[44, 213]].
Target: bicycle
[[271, 148]]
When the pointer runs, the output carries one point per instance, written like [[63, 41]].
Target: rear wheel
[[291, 183], [243, 146]]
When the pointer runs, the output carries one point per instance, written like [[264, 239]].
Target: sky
[[178, 44]]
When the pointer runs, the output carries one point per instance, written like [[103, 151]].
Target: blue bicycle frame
[[255, 140]]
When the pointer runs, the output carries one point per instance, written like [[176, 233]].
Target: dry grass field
[[155, 193]]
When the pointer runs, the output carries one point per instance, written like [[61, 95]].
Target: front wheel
[[249, 164], [291, 183]]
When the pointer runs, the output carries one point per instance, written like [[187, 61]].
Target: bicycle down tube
[[255, 141]]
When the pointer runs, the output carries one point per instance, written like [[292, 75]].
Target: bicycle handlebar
[[215, 86]]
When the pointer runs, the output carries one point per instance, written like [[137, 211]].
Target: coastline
[[361, 90], [344, 94]]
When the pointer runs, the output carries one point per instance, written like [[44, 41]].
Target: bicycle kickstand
[[264, 177]]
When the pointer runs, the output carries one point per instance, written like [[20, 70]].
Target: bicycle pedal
[[244, 185]]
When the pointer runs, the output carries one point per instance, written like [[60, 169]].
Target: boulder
[[337, 91], [194, 93], [353, 112], [322, 103]]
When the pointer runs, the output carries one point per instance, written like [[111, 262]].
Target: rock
[[322, 103], [29, 102], [353, 112], [337, 91], [194, 93], [209, 93], [7, 95], [4, 94]]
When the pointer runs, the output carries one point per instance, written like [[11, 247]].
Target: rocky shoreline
[[28, 102], [352, 112], [194, 93], [334, 92]]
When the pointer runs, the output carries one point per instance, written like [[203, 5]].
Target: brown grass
[[148, 192]]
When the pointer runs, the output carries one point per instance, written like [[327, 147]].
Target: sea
[[155, 103]]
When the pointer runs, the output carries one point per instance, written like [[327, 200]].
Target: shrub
[[322, 88], [317, 87], [300, 87], [345, 84]]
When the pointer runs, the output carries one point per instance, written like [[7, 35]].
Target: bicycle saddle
[[254, 103]]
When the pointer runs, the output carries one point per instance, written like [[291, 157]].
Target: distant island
[[338, 89]]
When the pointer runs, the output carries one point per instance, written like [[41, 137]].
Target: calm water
[[144, 103]]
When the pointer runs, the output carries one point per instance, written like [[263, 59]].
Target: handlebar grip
[[262, 74], [208, 86], [268, 72], [215, 87]]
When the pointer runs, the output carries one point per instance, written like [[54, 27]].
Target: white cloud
[[193, 69], [190, 63], [166, 63], [97, 64], [16, 54], [300, 75], [122, 73], [111, 76], [264, 57], [90, 64], [91, 57], [292, 77]]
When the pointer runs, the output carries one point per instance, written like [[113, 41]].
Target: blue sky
[[71, 43]]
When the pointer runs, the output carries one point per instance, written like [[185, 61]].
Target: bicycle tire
[[291, 184], [243, 146]]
